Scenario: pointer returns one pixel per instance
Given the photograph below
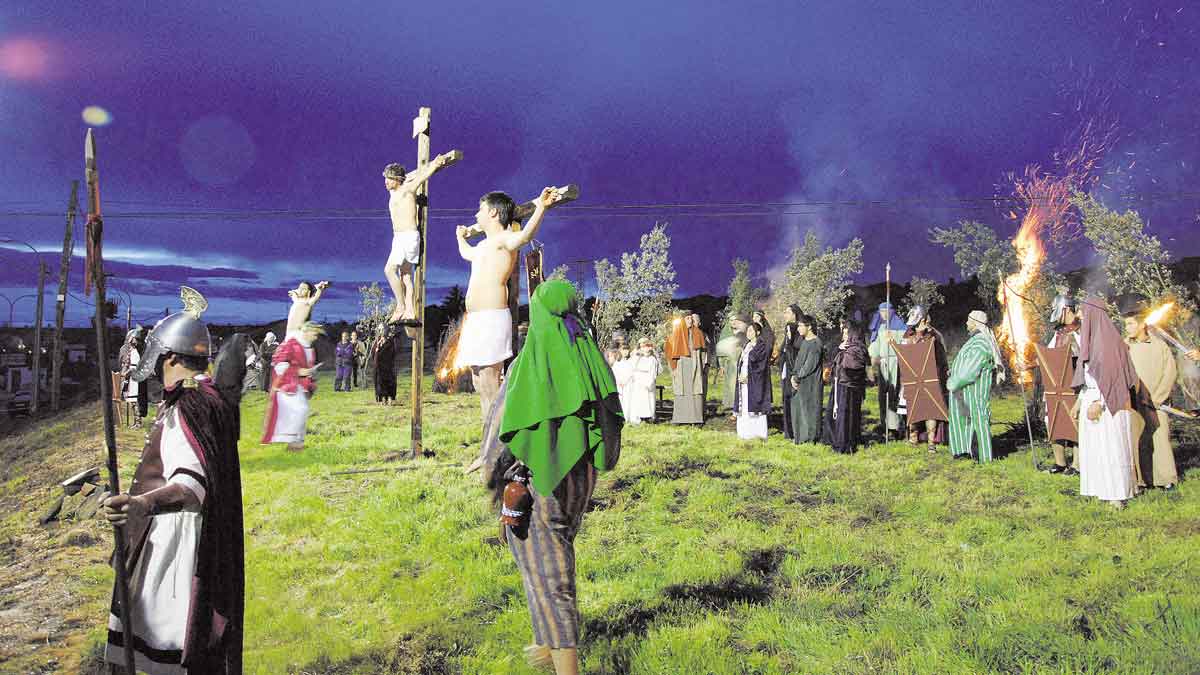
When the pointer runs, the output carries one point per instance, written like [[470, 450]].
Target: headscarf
[[678, 345], [270, 338], [561, 400], [981, 320], [894, 321], [1106, 355]]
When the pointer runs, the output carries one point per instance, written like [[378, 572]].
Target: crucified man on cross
[[406, 238]]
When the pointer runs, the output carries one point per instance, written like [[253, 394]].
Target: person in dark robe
[[229, 373], [182, 516], [920, 329], [359, 362], [384, 357], [768, 336], [269, 345], [752, 401], [343, 363], [806, 383], [787, 355], [848, 384]]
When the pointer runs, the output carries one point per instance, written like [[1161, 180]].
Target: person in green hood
[[556, 423]]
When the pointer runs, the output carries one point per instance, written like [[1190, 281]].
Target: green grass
[[708, 555]]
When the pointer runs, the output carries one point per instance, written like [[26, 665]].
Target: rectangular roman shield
[[1057, 373], [919, 380]]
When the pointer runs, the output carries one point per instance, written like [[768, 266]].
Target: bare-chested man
[[303, 296], [486, 338], [406, 239]]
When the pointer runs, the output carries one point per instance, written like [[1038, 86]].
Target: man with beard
[[1155, 367], [805, 382], [182, 517], [975, 367]]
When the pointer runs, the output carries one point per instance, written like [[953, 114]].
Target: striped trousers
[[545, 554]]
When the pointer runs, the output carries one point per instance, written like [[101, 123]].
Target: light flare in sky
[[95, 116], [24, 58]]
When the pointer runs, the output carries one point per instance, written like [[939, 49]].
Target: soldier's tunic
[[970, 386], [888, 382], [1155, 366], [1061, 336]]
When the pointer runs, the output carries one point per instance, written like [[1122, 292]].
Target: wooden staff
[[1021, 360], [95, 272]]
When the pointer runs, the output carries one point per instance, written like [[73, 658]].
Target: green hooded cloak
[[561, 402]]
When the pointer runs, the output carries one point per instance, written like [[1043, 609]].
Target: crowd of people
[[553, 411]]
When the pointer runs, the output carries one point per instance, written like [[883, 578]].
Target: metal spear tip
[[89, 148]]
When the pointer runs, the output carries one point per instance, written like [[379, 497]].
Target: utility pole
[[37, 339], [60, 305]]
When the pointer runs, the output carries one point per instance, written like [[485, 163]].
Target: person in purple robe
[[343, 361]]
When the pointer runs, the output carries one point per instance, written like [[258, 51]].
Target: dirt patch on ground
[[49, 606], [410, 655]]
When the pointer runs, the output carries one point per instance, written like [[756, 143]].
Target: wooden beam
[[421, 132], [566, 195]]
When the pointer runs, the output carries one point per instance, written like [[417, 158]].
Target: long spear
[[95, 273], [887, 393]]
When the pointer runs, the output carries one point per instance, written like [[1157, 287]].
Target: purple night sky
[[246, 139]]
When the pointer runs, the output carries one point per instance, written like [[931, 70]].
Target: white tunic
[[623, 374], [131, 385], [160, 585], [641, 388], [1105, 448], [749, 424]]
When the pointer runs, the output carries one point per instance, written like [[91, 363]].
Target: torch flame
[[1159, 314]]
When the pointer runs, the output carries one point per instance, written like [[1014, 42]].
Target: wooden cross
[[420, 131]]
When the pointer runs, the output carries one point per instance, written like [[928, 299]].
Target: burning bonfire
[[1047, 199], [447, 378]]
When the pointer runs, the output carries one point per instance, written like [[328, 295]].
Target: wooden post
[[421, 131], [37, 339], [60, 304]]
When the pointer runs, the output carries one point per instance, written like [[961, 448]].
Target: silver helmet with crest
[[1062, 302], [916, 315], [180, 333]]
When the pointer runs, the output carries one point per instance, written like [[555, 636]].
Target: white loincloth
[[406, 247], [485, 338]]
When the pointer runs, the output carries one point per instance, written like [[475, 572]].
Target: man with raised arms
[[406, 238], [486, 338]]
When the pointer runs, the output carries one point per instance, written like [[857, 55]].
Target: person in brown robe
[[1154, 458], [685, 351], [920, 329]]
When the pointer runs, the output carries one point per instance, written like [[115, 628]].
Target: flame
[[1159, 314], [1047, 199], [447, 372]]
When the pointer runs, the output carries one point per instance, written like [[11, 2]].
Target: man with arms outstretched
[[406, 238], [486, 338]]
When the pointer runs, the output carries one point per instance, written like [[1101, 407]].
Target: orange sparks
[[1159, 314]]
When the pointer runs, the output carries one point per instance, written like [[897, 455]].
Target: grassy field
[[702, 554]]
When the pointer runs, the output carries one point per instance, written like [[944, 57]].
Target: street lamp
[[12, 302], [37, 332]]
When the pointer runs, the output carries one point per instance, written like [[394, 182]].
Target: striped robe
[[970, 386]]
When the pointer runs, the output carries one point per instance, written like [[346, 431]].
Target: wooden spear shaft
[[95, 233], [60, 304]]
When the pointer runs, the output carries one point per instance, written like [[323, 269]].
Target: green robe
[[970, 386], [560, 403], [888, 381], [806, 400]]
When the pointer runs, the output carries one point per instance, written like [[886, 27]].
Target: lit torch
[[1152, 323]]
